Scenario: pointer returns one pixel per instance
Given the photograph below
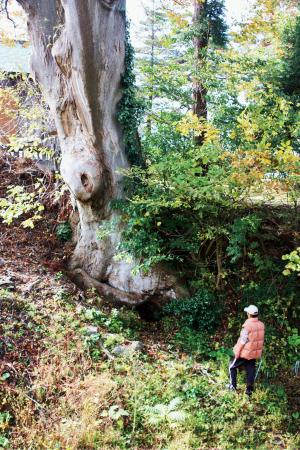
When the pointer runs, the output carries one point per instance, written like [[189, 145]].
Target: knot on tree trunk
[[84, 175]]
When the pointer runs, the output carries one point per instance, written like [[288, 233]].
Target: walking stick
[[258, 369]]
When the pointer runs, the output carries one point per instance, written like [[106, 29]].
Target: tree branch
[[4, 8]]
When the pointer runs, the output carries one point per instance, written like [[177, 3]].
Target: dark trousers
[[249, 365]]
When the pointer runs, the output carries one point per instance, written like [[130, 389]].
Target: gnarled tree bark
[[78, 59]]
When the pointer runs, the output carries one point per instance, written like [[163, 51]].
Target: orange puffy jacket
[[253, 348]]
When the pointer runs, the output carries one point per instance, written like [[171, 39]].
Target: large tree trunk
[[78, 58]]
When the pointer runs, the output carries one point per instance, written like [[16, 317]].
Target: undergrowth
[[78, 394]]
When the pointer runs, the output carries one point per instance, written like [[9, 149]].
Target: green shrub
[[64, 231], [201, 312], [192, 341], [239, 233]]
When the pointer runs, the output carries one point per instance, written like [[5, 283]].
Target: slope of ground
[[76, 374]]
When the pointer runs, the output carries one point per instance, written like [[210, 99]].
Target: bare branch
[[4, 8]]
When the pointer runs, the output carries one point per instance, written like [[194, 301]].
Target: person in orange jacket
[[248, 349]]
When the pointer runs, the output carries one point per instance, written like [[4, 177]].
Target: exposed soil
[[29, 259]]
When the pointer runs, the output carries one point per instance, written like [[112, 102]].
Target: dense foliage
[[222, 214]]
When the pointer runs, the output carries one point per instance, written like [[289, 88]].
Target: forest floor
[[72, 375]]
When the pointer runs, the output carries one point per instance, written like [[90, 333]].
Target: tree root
[[111, 294]]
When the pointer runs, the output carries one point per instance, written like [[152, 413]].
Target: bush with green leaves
[[201, 312], [192, 342], [19, 202], [294, 262], [116, 321], [64, 231], [239, 232]]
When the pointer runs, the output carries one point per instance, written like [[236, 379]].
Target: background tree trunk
[[201, 39], [78, 58]]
